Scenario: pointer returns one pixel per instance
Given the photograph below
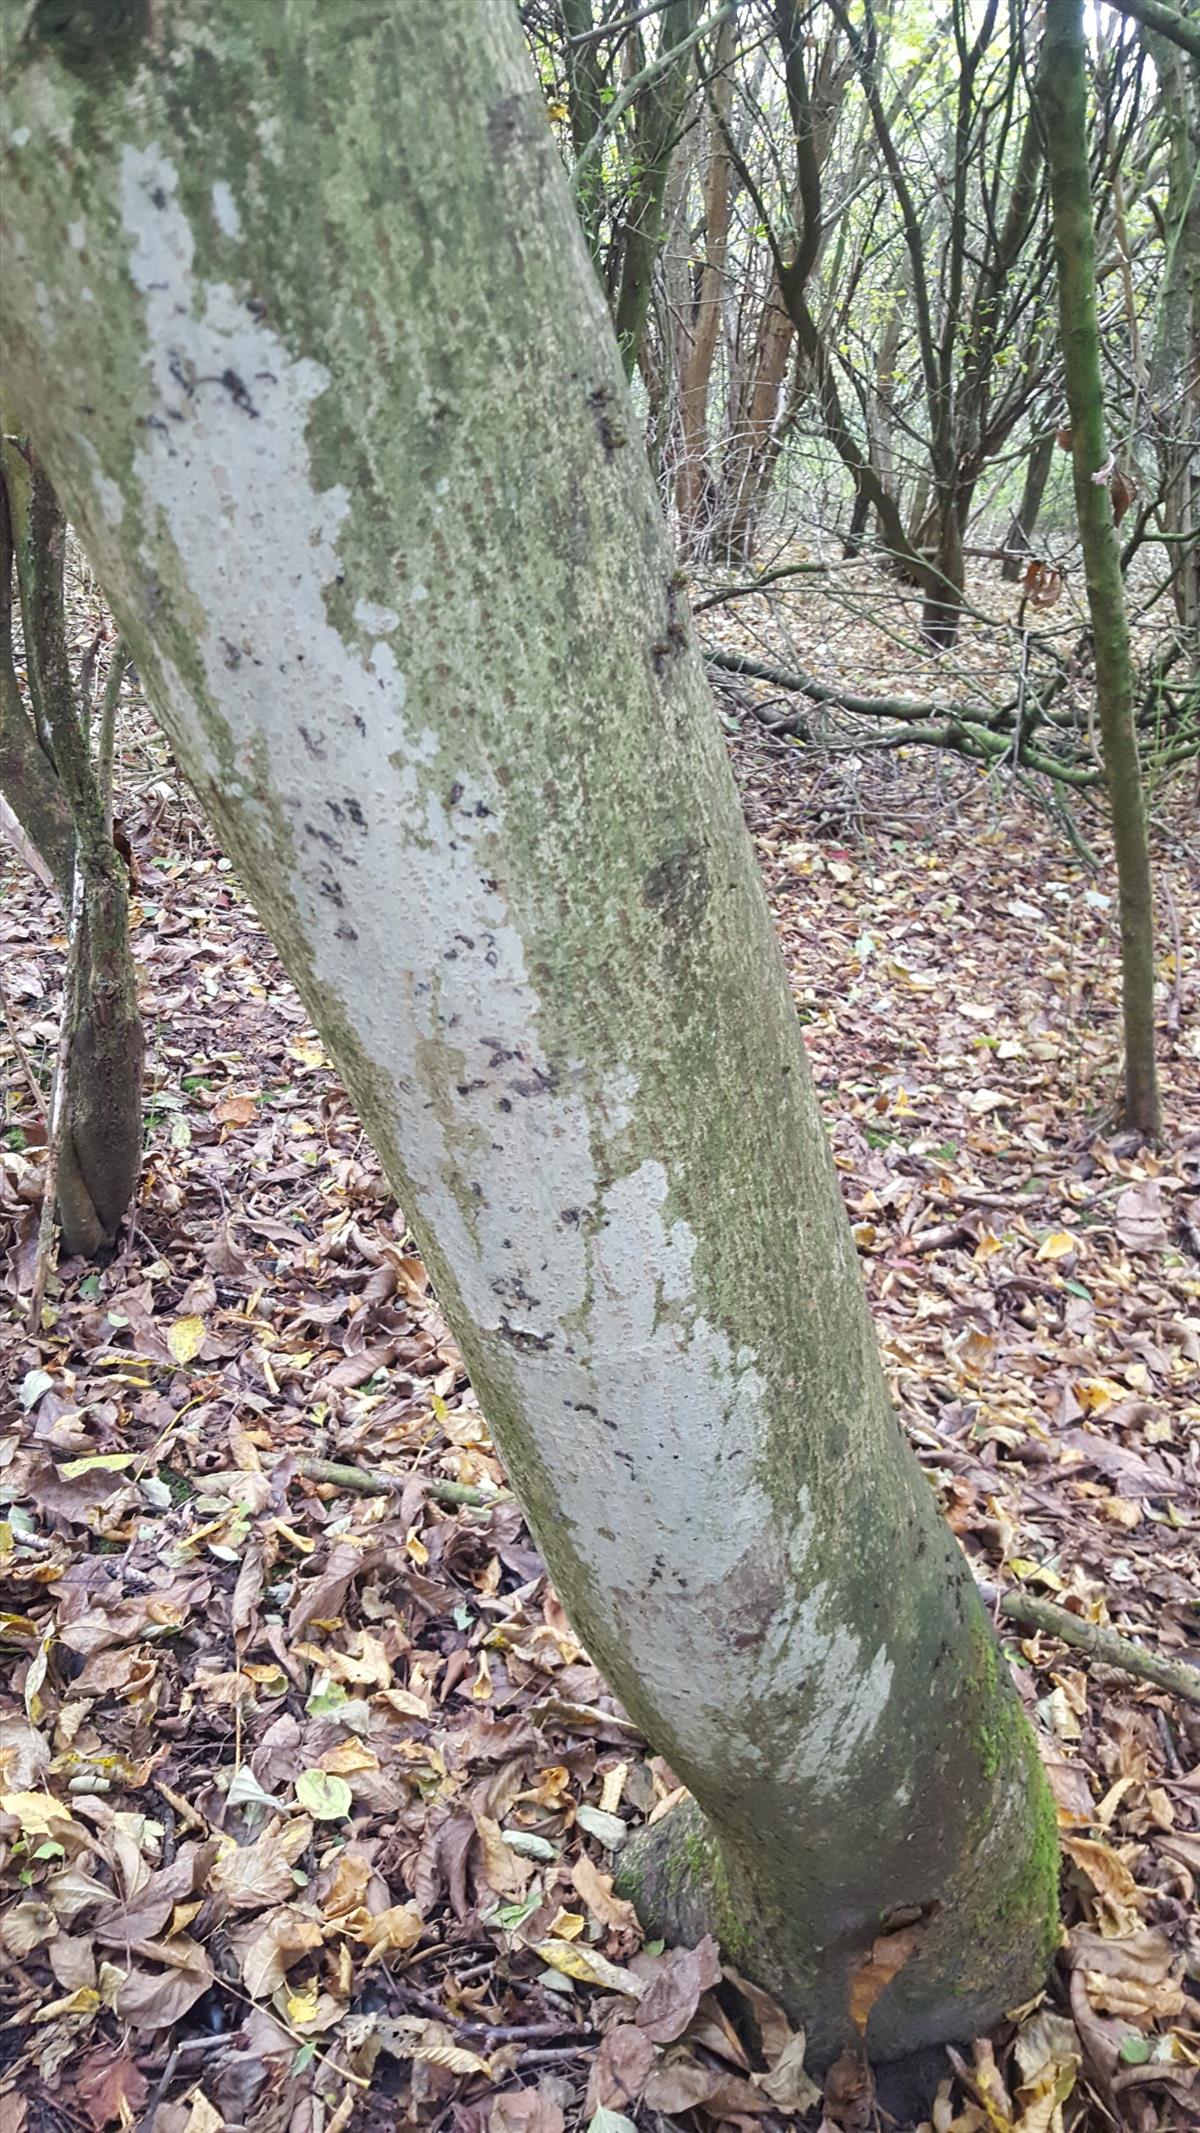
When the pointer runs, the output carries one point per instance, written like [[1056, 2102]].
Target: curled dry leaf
[[596, 1890], [1140, 1220], [270, 1953], [620, 2068], [676, 1983], [526, 2111], [889, 1953], [252, 1876], [788, 2085]]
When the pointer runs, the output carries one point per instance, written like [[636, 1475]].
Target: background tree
[[61, 794], [411, 622], [1062, 102]]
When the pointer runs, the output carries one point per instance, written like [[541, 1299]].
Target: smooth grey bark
[[390, 562]]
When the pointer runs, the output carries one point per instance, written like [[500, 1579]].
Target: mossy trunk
[[383, 544], [658, 117], [1061, 91]]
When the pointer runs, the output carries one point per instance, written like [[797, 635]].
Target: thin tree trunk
[[97, 1171], [660, 110], [1018, 541], [420, 644], [1061, 88], [693, 484], [1175, 370]]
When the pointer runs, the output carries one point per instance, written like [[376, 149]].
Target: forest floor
[[311, 1800]]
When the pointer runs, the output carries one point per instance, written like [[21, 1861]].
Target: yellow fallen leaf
[[204, 2116], [96, 1463], [1058, 1245], [399, 1928], [591, 1968], [186, 1338], [1095, 1394], [567, 1925], [84, 2001], [349, 1757], [37, 1812], [612, 1788], [302, 2006]]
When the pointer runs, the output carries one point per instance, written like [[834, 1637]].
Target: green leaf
[[326, 1798], [512, 1915], [606, 2121], [1136, 2051]]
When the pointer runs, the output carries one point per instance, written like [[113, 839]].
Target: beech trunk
[[318, 360]]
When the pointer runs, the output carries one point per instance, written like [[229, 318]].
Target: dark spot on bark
[[504, 1104], [522, 1339], [569, 1215], [677, 887], [504, 125], [355, 813], [456, 793], [539, 1084], [603, 408], [347, 933], [232, 657], [238, 393], [100, 36], [333, 890], [584, 1407]]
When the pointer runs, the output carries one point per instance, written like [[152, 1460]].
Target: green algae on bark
[[378, 532]]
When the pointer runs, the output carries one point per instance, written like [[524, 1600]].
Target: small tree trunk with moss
[[1018, 541], [1061, 92], [395, 575], [48, 778]]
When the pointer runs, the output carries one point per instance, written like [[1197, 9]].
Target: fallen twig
[[360, 1482], [1107, 1645]]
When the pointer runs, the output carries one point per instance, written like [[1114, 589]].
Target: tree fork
[[394, 574]]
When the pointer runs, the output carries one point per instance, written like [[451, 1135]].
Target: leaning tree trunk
[[382, 542], [1061, 89]]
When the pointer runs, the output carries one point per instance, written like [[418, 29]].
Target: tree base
[[956, 1983]]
